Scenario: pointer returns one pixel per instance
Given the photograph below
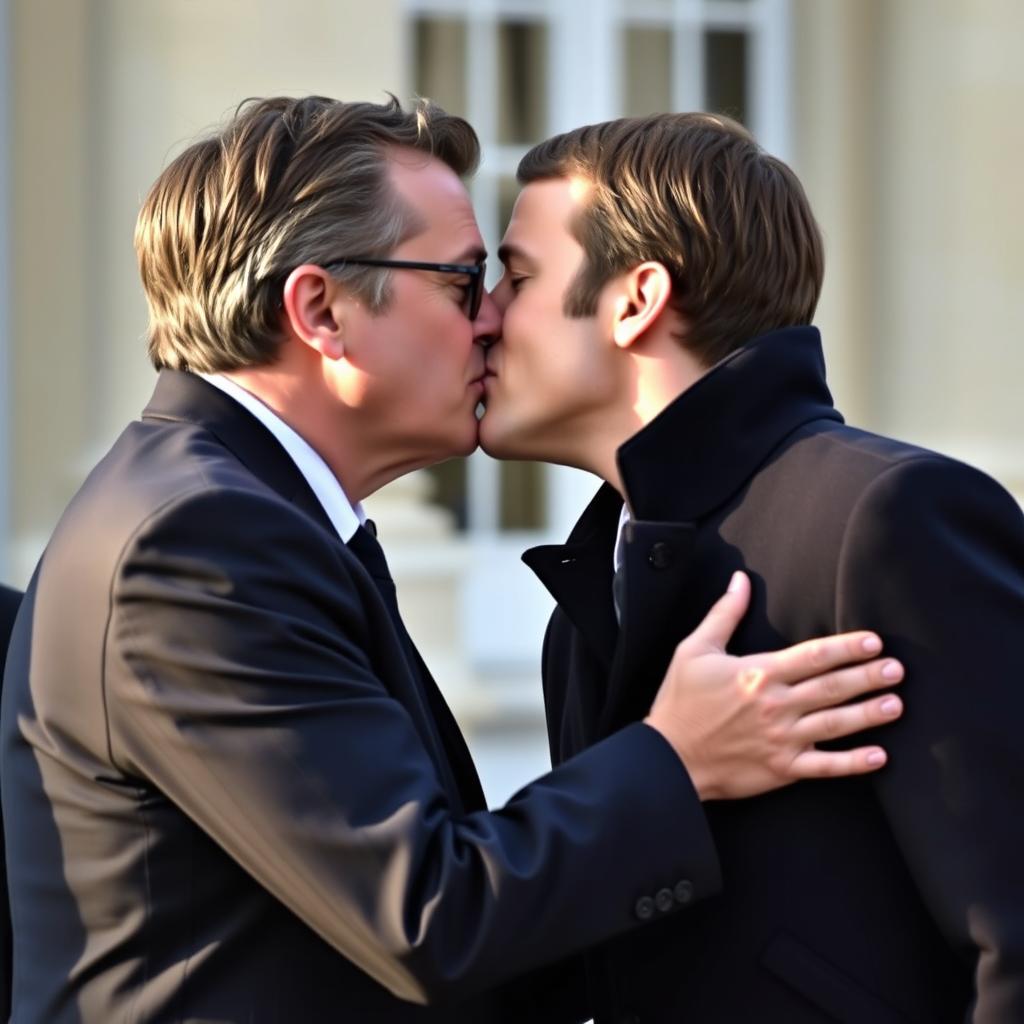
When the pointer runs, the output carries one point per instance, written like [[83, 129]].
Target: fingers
[[833, 723], [837, 687], [817, 657], [720, 623], [821, 764]]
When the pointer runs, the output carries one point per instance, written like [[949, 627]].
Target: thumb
[[720, 623]]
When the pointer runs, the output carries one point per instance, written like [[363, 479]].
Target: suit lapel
[[578, 574]]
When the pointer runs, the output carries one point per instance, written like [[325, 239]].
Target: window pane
[[725, 74], [522, 82], [439, 55], [648, 85], [449, 491], [522, 496]]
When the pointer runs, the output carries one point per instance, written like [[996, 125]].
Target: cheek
[[529, 332]]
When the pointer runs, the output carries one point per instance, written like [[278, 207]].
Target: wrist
[[700, 777]]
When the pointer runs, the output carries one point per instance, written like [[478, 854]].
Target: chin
[[499, 441], [467, 443]]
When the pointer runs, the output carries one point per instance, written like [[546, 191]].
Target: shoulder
[[874, 470], [171, 499], [936, 518], [927, 486]]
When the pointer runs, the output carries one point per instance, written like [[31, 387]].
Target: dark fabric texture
[[10, 601], [233, 792], [896, 897]]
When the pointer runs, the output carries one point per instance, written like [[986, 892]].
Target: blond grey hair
[[285, 182]]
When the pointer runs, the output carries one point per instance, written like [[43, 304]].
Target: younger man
[[660, 277]]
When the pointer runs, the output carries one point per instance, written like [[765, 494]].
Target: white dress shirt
[[345, 516]]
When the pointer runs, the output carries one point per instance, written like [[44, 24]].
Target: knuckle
[[817, 653], [770, 707], [783, 768], [831, 724], [831, 688]]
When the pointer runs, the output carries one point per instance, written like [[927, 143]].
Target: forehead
[[434, 192], [544, 211]]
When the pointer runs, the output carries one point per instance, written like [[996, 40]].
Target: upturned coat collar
[[710, 440]]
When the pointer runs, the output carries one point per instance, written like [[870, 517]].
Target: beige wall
[[105, 91], [910, 138]]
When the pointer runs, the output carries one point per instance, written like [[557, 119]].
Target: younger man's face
[[550, 375]]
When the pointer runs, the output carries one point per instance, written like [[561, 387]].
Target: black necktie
[[365, 547], [452, 752]]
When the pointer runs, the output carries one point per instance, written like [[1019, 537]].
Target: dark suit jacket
[[10, 601], [898, 897], [232, 791]]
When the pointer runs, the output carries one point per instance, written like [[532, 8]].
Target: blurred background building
[[903, 118]]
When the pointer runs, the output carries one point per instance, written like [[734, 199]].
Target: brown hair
[[285, 182], [694, 192]]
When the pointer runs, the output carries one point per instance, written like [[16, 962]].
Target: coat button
[[664, 900], [660, 556], [683, 891], [645, 908]]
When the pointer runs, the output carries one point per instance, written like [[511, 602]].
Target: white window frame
[[502, 613]]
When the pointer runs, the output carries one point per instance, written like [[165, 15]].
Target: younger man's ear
[[313, 310], [645, 291]]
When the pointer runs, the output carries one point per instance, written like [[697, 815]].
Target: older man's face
[[421, 362]]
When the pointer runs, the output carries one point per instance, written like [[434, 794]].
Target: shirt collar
[[344, 516]]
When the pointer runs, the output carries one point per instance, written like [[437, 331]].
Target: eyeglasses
[[474, 271]]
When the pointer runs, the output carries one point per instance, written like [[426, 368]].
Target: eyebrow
[[474, 254], [508, 251]]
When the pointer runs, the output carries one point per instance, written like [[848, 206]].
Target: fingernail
[[871, 644], [892, 670], [876, 757], [890, 706], [735, 582]]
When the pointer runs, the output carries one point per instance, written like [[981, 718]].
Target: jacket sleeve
[[934, 558], [242, 680]]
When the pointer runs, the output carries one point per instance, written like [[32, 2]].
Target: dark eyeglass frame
[[474, 271]]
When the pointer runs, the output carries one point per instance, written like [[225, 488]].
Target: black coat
[[10, 601], [897, 897], [233, 792]]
